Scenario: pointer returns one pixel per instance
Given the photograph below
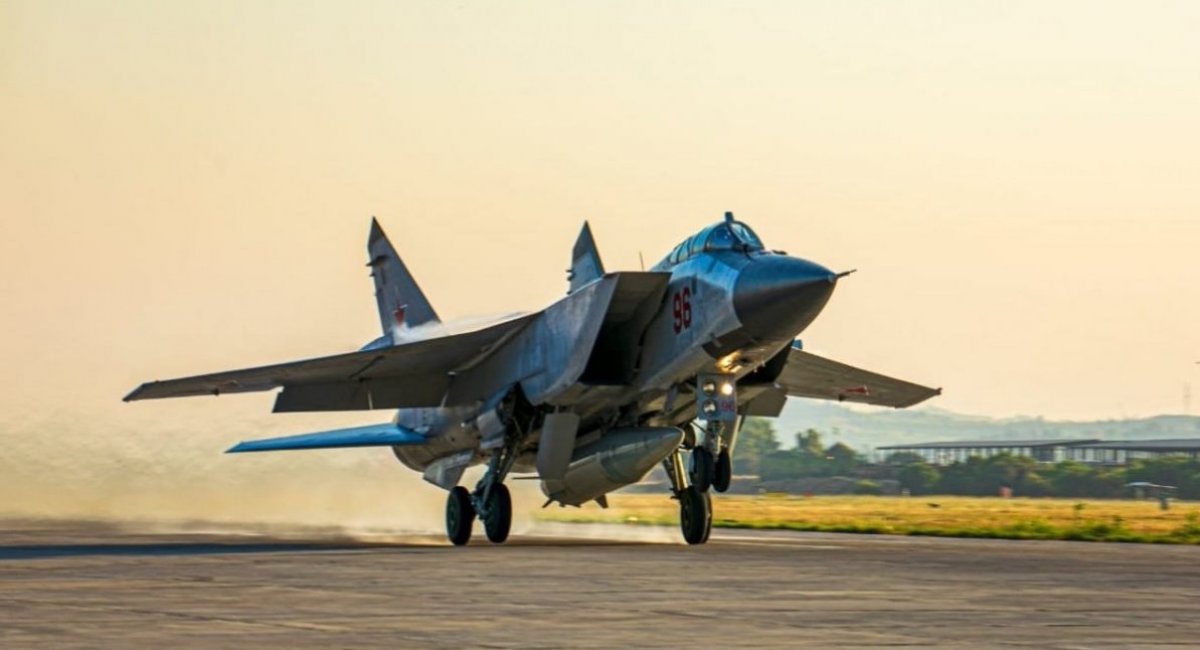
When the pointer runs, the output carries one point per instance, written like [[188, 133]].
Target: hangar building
[[1092, 451]]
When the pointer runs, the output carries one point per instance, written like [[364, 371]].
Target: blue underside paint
[[374, 435]]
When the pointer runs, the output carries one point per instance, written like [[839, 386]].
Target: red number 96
[[681, 309]]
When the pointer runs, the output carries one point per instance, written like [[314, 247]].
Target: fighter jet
[[630, 370]]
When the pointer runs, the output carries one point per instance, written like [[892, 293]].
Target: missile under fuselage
[[620, 457]]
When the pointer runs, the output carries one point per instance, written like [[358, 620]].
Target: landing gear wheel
[[499, 514], [460, 515], [695, 515], [703, 468], [724, 472]]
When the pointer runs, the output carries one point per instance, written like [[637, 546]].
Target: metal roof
[[1168, 444], [998, 444]]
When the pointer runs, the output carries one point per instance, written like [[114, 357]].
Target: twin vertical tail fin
[[401, 302], [585, 261]]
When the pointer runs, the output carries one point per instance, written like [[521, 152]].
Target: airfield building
[[1124, 451], [1091, 451], [945, 453]]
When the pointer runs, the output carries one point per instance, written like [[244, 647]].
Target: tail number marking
[[681, 309]]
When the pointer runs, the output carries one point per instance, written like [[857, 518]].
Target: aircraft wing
[[410, 374], [372, 435], [808, 375]]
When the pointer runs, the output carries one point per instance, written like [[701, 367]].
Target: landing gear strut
[[716, 406], [490, 501], [695, 506]]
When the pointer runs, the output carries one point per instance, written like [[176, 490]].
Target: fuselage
[[629, 371], [730, 306]]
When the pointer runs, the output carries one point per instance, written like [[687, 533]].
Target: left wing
[[406, 375], [808, 375], [372, 435]]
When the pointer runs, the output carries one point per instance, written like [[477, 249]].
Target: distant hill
[[865, 429]]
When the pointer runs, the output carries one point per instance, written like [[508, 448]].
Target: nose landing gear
[[722, 471], [704, 469], [716, 406], [712, 462]]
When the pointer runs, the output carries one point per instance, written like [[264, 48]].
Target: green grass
[[994, 518]]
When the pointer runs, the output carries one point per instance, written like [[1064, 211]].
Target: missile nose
[[655, 445], [776, 297], [662, 442]]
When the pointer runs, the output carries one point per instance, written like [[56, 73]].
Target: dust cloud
[[137, 468], [159, 467]]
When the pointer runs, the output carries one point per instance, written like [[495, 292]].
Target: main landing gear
[[497, 517], [695, 505], [490, 501], [711, 467], [461, 513]]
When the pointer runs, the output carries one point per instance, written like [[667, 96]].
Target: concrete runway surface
[[92, 585]]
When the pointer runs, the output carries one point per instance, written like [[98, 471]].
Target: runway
[[93, 585]]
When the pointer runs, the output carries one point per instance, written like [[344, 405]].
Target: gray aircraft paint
[[617, 358]]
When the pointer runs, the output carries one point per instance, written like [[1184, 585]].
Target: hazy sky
[[187, 187]]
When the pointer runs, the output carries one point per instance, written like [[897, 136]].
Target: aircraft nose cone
[[776, 297]]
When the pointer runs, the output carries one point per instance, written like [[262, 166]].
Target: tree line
[[758, 452]]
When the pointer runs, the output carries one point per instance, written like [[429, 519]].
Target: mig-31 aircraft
[[628, 371]]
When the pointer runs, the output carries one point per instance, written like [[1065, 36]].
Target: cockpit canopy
[[728, 235]]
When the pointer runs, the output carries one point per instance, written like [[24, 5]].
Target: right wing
[[406, 375], [808, 375]]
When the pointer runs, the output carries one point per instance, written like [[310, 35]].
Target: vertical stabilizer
[[401, 302], [585, 260]]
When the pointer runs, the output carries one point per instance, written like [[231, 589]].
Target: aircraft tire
[[724, 472], [460, 516], [695, 515], [499, 518], [703, 468]]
